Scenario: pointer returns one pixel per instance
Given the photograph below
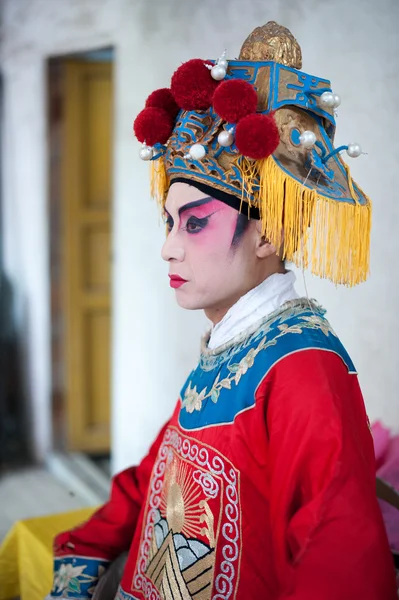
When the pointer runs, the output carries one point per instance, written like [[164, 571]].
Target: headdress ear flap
[[309, 229]]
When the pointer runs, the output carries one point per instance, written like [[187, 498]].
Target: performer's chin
[[186, 300]]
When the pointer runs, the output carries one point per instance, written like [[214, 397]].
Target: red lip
[[176, 281]]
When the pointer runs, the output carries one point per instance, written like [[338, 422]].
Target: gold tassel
[[308, 229], [159, 183]]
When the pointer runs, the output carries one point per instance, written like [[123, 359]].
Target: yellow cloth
[[26, 555]]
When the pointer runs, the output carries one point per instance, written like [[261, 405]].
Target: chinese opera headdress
[[258, 133]]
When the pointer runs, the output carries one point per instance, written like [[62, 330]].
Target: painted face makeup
[[208, 247]]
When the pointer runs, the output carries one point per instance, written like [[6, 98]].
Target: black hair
[[228, 199]]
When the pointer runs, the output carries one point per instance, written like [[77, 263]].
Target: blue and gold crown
[[260, 131]]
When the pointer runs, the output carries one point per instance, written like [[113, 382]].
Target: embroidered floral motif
[[317, 322], [72, 579], [67, 578], [193, 399]]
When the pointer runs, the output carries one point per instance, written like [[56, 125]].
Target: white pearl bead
[[222, 62], [225, 138], [354, 150], [146, 153], [218, 73], [197, 151], [337, 100], [327, 100], [307, 139]]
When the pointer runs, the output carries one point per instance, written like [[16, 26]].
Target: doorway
[[80, 108]]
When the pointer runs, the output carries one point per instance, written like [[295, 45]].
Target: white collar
[[259, 302]]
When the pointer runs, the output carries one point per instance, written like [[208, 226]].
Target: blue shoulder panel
[[223, 385]]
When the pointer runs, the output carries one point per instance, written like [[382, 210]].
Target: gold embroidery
[[180, 500], [175, 509], [165, 573], [208, 518]]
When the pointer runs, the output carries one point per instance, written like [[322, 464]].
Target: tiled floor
[[32, 492]]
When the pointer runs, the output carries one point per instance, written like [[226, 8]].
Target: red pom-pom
[[153, 125], [193, 86], [235, 99], [163, 98], [257, 136]]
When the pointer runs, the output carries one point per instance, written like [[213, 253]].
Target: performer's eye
[[195, 224], [169, 223]]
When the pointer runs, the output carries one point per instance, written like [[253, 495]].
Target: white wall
[[355, 44]]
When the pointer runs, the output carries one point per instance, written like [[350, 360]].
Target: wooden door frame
[[60, 240], [55, 116]]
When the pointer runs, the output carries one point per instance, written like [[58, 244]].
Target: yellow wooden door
[[87, 205]]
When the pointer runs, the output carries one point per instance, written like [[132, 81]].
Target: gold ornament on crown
[[272, 42]]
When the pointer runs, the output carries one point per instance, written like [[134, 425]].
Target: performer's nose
[[172, 250]]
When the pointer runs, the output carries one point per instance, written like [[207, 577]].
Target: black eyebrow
[[190, 205], [195, 204]]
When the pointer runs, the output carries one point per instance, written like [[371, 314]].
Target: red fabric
[[109, 532], [328, 536]]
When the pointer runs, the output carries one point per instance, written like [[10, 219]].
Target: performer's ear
[[263, 247]]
